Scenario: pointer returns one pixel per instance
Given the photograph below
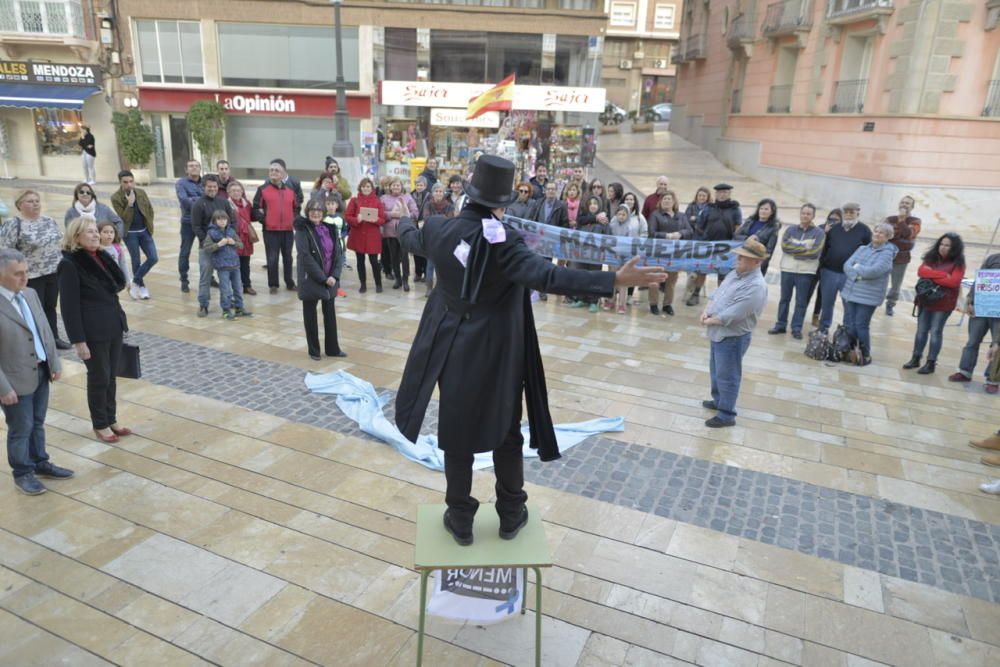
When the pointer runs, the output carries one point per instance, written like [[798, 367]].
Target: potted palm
[[135, 139]]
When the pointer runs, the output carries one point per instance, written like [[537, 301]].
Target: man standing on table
[[477, 342], [730, 318]]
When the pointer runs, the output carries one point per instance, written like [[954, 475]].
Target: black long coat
[[481, 351], [309, 261], [88, 297]]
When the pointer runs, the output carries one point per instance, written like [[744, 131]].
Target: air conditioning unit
[[624, 64], [660, 64]]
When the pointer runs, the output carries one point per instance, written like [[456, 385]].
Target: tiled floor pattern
[[954, 553]]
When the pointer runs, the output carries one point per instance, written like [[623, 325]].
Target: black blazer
[[558, 217], [88, 297]]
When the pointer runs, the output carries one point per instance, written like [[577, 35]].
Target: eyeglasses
[[523, 191], [86, 192]]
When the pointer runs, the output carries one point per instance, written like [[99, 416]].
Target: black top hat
[[492, 182]]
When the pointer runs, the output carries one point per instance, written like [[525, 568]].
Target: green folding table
[[437, 550]]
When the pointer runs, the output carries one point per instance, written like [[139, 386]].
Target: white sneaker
[[143, 292], [133, 292], [991, 487]]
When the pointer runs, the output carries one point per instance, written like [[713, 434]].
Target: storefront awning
[[27, 96]]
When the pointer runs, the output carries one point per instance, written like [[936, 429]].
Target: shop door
[[180, 145]]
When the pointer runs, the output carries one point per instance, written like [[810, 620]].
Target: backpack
[[818, 345], [841, 346]]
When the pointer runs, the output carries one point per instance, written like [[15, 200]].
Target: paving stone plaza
[[248, 521]]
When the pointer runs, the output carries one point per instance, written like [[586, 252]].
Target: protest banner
[[578, 246], [481, 595], [988, 293]]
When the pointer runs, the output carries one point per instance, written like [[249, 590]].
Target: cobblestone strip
[[949, 552]]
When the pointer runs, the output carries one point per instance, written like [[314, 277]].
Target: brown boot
[[991, 460], [992, 442]]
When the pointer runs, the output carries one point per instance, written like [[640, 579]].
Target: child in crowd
[[224, 242], [111, 243], [333, 217], [244, 230], [624, 224]]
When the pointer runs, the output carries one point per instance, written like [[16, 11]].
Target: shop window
[[58, 131], [510, 53], [401, 54], [170, 51], [278, 56], [663, 17], [586, 5], [572, 65]]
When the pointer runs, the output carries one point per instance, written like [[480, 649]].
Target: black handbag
[[128, 362], [928, 292]]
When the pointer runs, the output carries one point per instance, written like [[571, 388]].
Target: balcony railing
[[849, 96], [780, 99], [695, 49], [786, 17], [857, 9], [741, 31], [992, 107], [737, 104], [37, 17]]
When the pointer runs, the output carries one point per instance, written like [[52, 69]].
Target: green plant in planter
[[205, 120], [134, 137]]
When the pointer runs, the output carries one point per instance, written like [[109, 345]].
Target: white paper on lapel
[[462, 252], [493, 231]]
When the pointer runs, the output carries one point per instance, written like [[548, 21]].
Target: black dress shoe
[[797, 335], [363, 289], [668, 310], [338, 353], [378, 289], [654, 310], [63, 345], [397, 284], [52, 472], [709, 405], [185, 288], [912, 363], [315, 357], [406, 286], [927, 368], [509, 531], [463, 537], [775, 330], [290, 286], [718, 422]]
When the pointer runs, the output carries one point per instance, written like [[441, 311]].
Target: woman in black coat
[[763, 224], [319, 265], [89, 283]]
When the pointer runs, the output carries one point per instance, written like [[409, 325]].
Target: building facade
[[850, 99], [641, 37], [271, 64], [52, 82]]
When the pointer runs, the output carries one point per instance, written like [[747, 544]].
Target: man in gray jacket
[[28, 362]]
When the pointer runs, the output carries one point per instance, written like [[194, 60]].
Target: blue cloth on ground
[[359, 401]]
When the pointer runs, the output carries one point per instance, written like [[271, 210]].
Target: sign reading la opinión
[[59, 74]]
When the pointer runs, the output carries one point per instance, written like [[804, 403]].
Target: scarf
[[81, 209]]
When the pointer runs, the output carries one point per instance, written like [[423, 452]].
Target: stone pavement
[[246, 522]]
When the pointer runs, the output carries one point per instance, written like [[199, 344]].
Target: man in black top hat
[[477, 342]]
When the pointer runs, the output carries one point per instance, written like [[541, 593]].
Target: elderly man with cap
[[730, 318], [841, 242], [717, 222], [477, 343]]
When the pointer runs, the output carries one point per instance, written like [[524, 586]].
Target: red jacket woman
[[365, 237], [944, 264], [948, 274]]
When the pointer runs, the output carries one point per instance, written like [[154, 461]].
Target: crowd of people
[[840, 257]]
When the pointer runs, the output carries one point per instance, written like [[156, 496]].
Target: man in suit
[[477, 343], [550, 209], [28, 362]]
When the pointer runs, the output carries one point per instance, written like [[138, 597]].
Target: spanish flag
[[498, 98]]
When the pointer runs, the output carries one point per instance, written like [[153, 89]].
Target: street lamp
[[342, 147]]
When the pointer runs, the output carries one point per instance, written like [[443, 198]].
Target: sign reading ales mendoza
[[477, 342]]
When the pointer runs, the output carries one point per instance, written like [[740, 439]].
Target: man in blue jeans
[[134, 208], [189, 190], [730, 318], [28, 362], [841, 242]]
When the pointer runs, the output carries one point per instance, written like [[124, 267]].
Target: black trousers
[[376, 269], [508, 466], [399, 260], [419, 266], [47, 287], [309, 318], [276, 243], [386, 258], [102, 372], [245, 271]]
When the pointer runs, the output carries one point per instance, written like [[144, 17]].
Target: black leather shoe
[[668, 310], [463, 537], [775, 330], [406, 286], [28, 485], [718, 422], [363, 289], [378, 289], [185, 288], [709, 405], [315, 357], [338, 353], [52, 472], [927, 368], [912, 363], [797, 335], [509, 531], [63, 345], [654, 310]]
